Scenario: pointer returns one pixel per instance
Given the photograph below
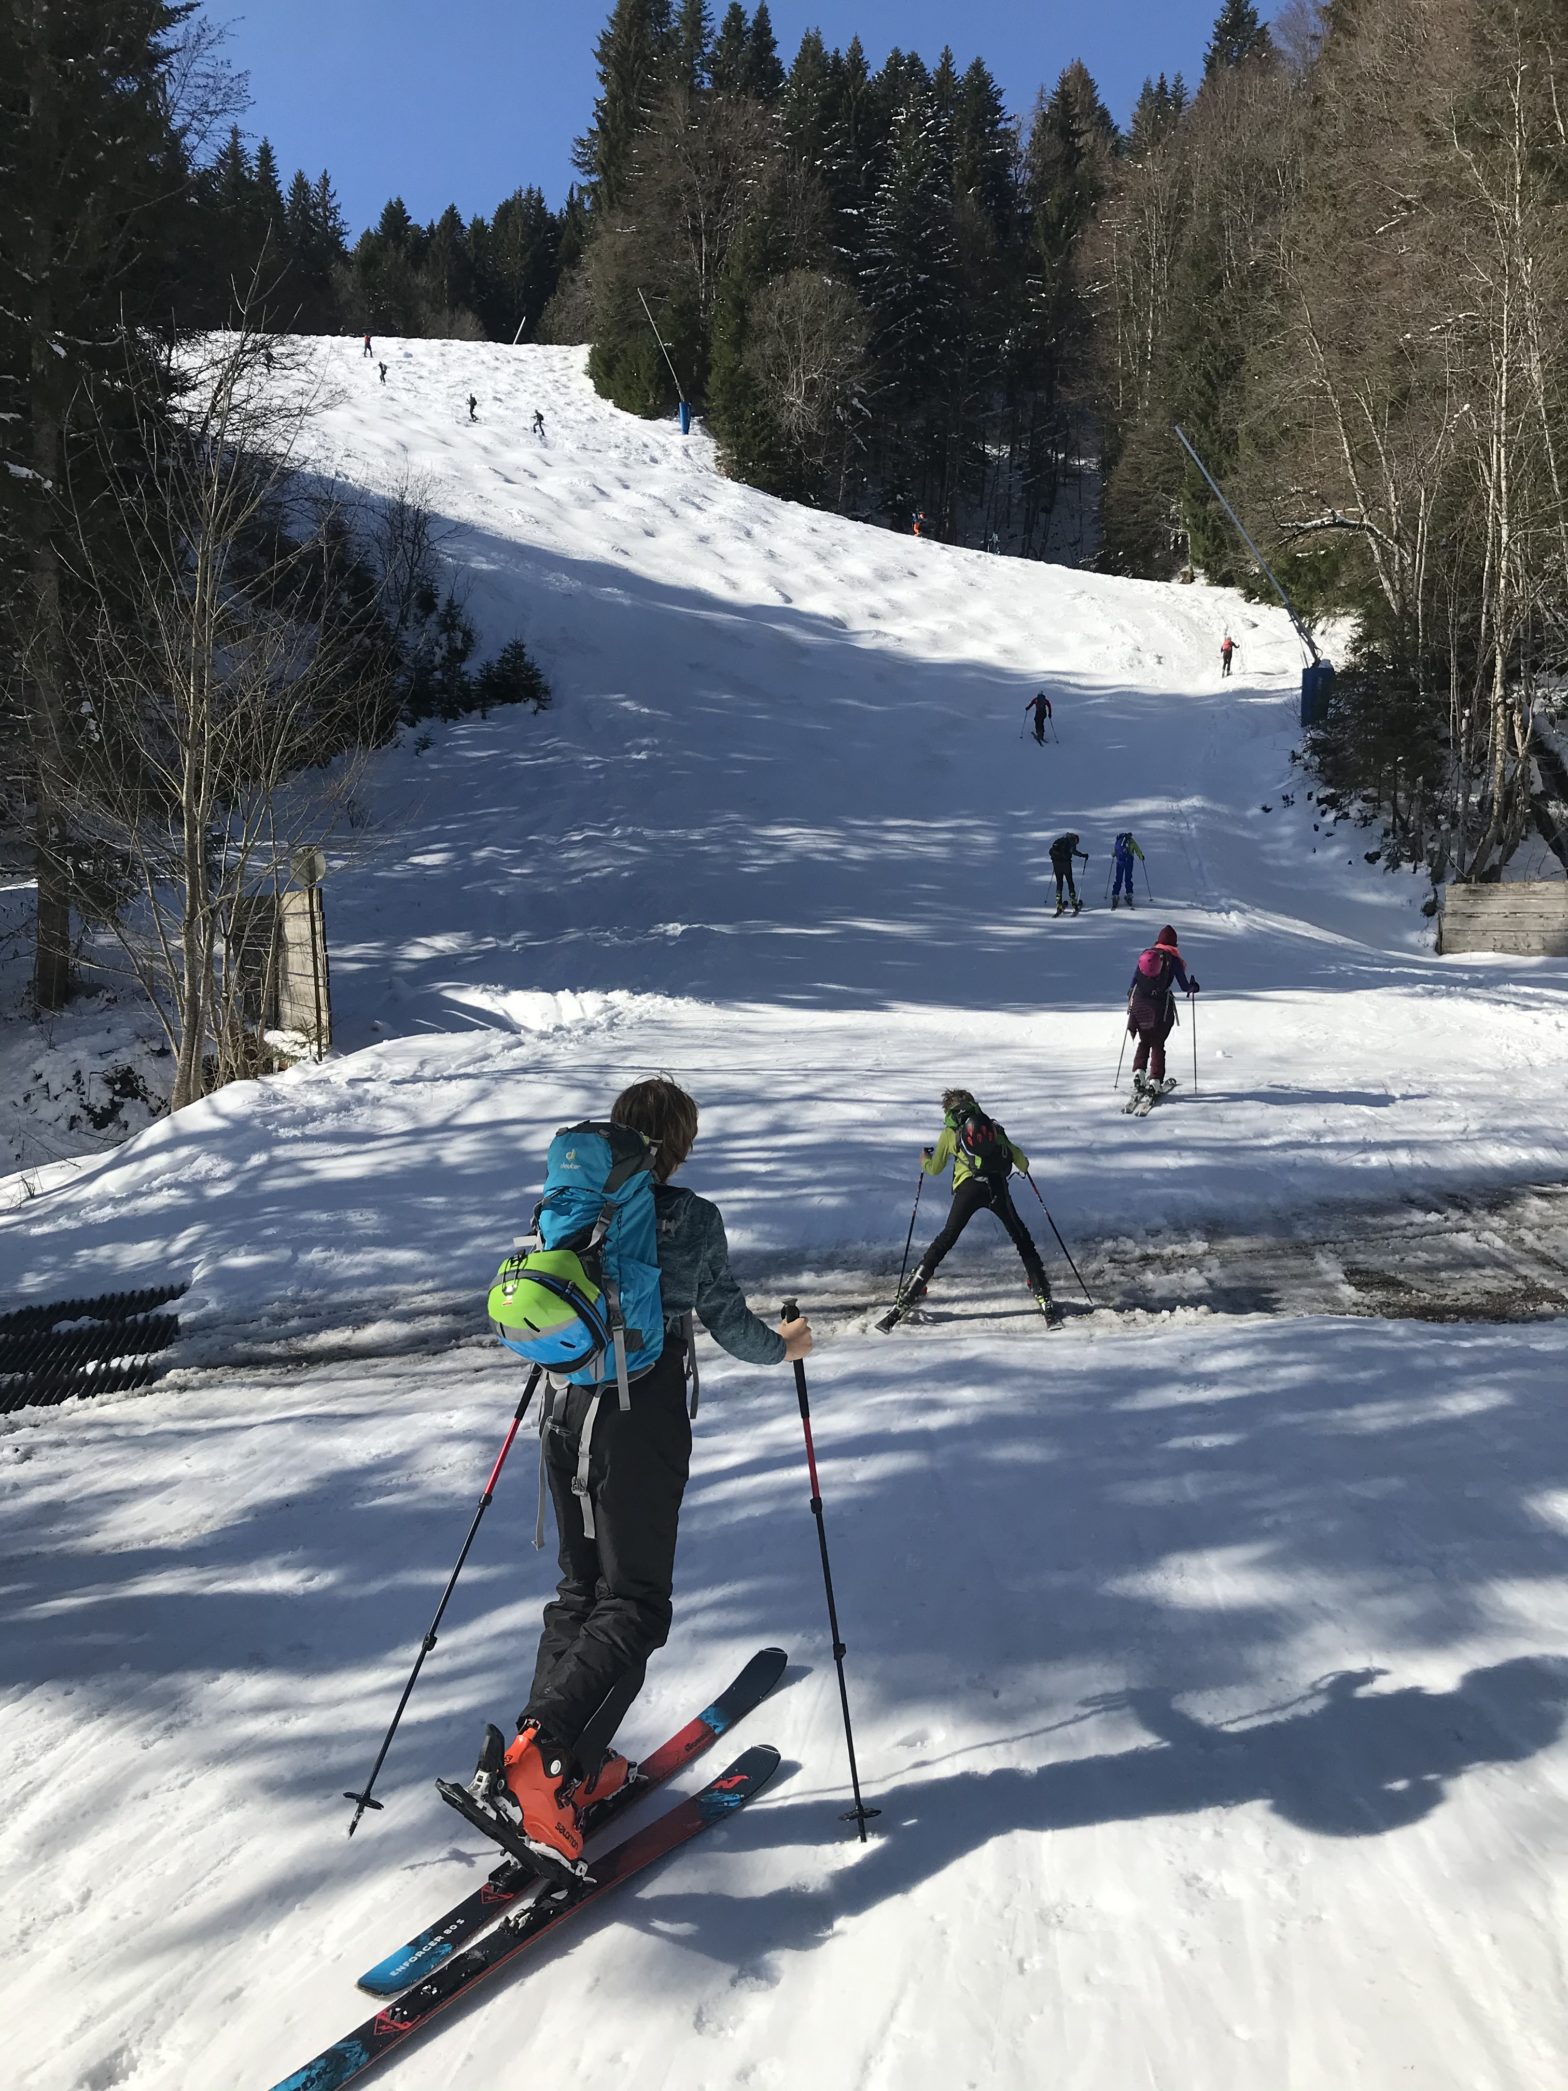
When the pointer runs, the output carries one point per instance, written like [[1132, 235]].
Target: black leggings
[[979, 1196], [611, 1608]]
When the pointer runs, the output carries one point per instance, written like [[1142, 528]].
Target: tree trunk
[[46, 709]]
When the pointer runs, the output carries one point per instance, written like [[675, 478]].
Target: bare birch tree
[[232, 675]]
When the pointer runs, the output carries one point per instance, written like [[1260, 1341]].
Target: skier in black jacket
[[1063, 851]]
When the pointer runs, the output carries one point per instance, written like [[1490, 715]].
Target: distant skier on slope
[[473, 404], [616, 1476], [1063, 851], [1151, 1011], [983, 1158], [917, 521], [539, 424], [383, 370], [367, 349], [1227, 648], [1041, 707], [1123, 854]]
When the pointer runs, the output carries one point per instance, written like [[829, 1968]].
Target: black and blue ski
[[513, 1880], [351, 2057]]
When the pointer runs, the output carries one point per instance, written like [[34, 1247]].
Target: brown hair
[[664, 1114], [957, 1100]]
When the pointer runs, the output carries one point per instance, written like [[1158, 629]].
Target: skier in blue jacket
[[1125, 850], [612, 1606]]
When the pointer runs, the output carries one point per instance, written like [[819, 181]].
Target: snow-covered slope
[[1209, 1673], [781, 836]]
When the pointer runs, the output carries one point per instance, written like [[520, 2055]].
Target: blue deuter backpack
[[581, 1296]]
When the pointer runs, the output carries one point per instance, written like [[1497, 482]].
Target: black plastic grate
[[69, 1348]]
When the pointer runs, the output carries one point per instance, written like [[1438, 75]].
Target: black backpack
[[984, 1145]]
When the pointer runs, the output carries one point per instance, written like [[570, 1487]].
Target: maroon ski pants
[[1151, 1037]]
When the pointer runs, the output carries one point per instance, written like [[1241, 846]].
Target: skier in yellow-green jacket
[[983, 1159]]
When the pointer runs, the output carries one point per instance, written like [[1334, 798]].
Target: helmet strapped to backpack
[[581, 1296], [983, 1144]]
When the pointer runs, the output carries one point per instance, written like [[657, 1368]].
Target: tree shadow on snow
[[1354, 1762]]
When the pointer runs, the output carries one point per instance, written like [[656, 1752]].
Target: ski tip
[[754, 1682], [751, 1769]]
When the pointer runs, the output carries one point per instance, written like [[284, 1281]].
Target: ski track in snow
[[1209, 1671]]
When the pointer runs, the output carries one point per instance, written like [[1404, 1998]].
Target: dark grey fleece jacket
[[695, 1277]]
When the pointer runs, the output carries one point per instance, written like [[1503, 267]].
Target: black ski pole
[[1120, 1057], [1078, 1274], [362, 1801], [860, 1813], [1146, 886], [909, 1237], [1108, 871]]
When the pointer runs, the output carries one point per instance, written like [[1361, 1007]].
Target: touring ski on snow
[[512, 1880], [348, 2059], [1146, 1094]]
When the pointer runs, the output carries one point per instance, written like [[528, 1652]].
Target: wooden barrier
[[1527, 920]]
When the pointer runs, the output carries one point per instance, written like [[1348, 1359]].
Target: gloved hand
[[926, 1153], [1192, 984]]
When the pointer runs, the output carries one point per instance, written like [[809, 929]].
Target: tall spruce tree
[[92, 173], [764, 73], [729, 64], [805, 107], [1238, 35], [517, 264], [692, 40], [909, 284], [633, 56]]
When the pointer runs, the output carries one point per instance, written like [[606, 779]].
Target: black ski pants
[[611, 1608], [979, 1196], [1064, 878]]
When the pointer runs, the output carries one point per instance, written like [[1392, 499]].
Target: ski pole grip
[[791, 1312]]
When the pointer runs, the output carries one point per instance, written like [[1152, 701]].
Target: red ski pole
[[362, 1801]]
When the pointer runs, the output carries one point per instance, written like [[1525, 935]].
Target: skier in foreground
[[1125, 850], [983, 1158], [617, 1536], [1151, 1012], [1063, 851], [1041, 707]]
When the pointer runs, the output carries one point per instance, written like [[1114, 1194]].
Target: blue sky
[[466, 101]]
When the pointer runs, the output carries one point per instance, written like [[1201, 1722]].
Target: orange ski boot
[[614, 1773], [533, 1779]]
